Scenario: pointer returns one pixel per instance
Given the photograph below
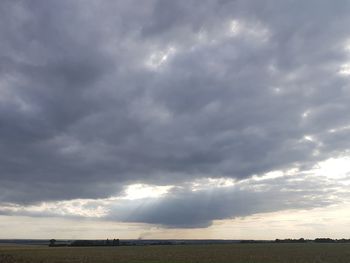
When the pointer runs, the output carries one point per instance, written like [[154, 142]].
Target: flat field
[[240, 253]]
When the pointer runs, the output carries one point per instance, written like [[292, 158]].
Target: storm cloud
[[95, 96], [199, 204]]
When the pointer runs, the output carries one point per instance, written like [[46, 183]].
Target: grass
[[240, 253]]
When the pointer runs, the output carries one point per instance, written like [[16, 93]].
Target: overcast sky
[[184, 119]]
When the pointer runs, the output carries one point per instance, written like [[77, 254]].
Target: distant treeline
[[107, 243], [300, 240], [117, 242], [85, 243], [135, 242], [317, 240]]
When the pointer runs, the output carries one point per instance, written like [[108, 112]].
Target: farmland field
[[240, 253]]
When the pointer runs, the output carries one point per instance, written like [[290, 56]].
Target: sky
[[175, 119]]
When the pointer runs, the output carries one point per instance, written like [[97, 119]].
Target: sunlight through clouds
[[140, 191], [158, 58], [334, 168]]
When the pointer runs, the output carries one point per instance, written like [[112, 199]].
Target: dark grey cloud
[[83, 111], [188, 209], [182, 207]]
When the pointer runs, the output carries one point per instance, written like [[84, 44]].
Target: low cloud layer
[[200, 203], [186, 208], [97, 96]]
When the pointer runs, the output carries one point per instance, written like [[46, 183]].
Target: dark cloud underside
[[96, 95]]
